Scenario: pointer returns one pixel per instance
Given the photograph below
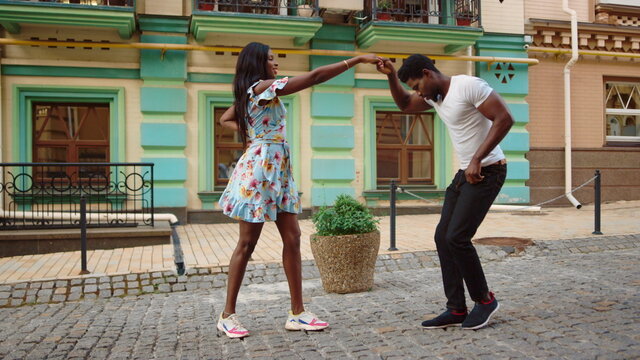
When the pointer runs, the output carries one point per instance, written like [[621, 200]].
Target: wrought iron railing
[[47, 195], [114, 3], [303, 8], [440, 12]]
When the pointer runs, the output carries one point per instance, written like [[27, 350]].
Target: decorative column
[[163, 103], [512, 82], [332, 131]]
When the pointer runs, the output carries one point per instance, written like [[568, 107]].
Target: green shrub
[[346, 217]]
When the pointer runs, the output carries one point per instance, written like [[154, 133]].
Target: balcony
[[113, 14], [269, 7], [295, 19], [456, 23]]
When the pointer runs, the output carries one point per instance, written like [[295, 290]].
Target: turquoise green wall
[[512, 82], [163, 95], [332, 111]]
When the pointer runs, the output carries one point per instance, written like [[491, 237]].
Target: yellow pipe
[[188, 47], [584, 52]]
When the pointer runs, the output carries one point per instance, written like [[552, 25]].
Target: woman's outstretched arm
[[318, 76]]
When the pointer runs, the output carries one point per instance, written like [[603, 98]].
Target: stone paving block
[[74, 296]]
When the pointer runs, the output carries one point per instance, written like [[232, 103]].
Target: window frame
[[618, 141], [443, 154], [404, 149]]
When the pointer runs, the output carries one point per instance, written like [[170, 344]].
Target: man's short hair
[[413, 66]]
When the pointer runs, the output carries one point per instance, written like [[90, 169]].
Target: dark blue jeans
[[465, 206]]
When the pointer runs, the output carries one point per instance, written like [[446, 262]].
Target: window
[[69, 133], [228, 149], [404, 148], [622, 112]]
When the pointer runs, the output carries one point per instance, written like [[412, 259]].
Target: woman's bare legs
[[290, 232], [249, 235]]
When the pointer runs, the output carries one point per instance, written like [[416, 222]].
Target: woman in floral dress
[[261, 187]]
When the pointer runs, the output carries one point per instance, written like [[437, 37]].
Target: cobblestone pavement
[[553, 305]]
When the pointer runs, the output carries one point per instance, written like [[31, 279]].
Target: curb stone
[[56, 291]]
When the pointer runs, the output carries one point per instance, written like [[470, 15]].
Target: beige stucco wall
[[552, 9], [506, 17], [546, 101], [92, 57]]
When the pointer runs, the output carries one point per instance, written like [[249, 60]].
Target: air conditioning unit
[[341, 6]]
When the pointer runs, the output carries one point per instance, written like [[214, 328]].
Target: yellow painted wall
[[546, 101]]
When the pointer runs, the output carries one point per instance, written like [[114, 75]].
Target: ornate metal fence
[[47, 195], [304, 8]]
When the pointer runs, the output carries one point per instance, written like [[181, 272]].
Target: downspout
[[567, 103]]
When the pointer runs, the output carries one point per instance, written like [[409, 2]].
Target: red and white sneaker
[[232, 327], [305, 321]]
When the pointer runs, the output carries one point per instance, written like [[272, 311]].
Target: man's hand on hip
[[472, 173]]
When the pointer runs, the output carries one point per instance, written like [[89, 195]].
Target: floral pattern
[[262, 184]]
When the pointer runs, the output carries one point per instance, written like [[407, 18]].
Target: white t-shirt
[[467, 126]]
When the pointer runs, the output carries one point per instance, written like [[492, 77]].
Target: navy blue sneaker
[[481, 314], [446, 319]]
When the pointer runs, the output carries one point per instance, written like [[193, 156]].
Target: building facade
[[115, 98], [605, 98]]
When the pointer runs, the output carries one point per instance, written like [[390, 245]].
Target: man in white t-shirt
[[477, 119]]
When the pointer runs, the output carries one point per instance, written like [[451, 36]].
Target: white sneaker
[[232, 327], [305, 321]]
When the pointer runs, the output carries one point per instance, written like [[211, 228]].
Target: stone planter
[[346, 262]]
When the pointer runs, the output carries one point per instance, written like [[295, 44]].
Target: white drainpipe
[[567, 103]]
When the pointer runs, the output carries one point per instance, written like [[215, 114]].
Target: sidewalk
[[210, 246]]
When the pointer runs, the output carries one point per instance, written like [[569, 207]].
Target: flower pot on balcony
[[384, 16], [206, 6], [463, 22], [305, 10]]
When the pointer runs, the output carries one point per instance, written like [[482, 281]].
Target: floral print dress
[[261, 184]]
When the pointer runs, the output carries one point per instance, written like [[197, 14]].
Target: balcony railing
[[47, 195], [303, 8], [114, 3], [442, 12]]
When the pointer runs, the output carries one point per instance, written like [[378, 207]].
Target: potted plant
[[383, 8], [345, 245], [305, 8], [463, 13]]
